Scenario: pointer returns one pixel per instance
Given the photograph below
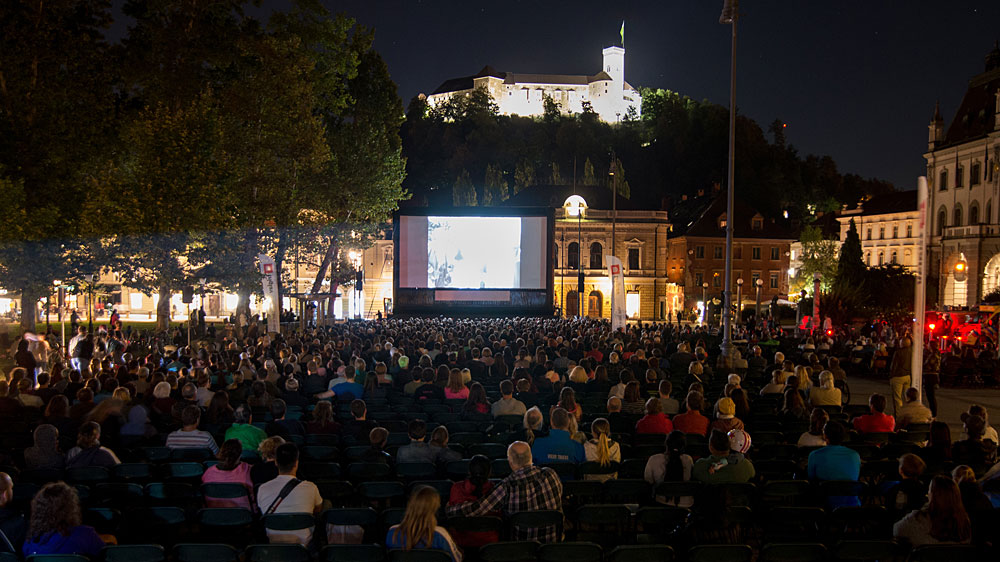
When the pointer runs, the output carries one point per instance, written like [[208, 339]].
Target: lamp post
[[59, 311], [798, 313], [730, 13], [90, 301], [756, 313], [704, 303], [816, 320], [739, 301], [576, 206], [201, 281]]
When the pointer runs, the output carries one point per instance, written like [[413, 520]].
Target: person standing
[[932, 376], [899, 373]]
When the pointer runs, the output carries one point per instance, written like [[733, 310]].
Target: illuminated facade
[[607, 92], [887, 226]]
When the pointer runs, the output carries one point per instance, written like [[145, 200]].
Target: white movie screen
[[460, 252]]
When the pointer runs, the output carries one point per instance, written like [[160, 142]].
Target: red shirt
[[462, 492], [656, 423], [875, 423], [691, 422]]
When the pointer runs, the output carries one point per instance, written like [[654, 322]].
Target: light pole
[[90, 301], [576, 206], [202, 281], [756, 313], [798, 313], [704, 303], [816, 320], [730, 13], [59, 312], [739, 301]]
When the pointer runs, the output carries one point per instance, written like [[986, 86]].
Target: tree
[[819, 255], [551, 112], [555, 178], [494, 186], [850, 267], [588, 173], [524, 176], [463, 193]]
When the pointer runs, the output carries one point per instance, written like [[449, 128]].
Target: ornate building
[[607, 92], [887, 225], [963, 182]]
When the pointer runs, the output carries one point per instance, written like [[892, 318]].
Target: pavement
[[951, 401]]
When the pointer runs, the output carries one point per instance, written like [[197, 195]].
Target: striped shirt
[[531, 488], [196, 439]]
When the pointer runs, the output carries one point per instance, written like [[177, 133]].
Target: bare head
[[519, 455]]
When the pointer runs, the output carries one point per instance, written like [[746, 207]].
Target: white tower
[[614, 65]]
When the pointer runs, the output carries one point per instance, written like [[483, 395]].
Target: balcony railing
[[972, 231]]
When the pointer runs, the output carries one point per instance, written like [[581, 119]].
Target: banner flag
[[269, 281], [617, 292], [919, 293]]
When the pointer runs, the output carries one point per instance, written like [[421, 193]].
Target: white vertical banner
[[269, 279], [919, 296], [617, 292]]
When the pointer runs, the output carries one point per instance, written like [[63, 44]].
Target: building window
[[632, 304], [957, 216], [974, 214], [909, 231], [942, 219], [881, 258], [895, 231], [868, 234], [868, 259], [753, 278], [757, 223], [881, 233], [573, 257], [775, 252], [975, 174], [699, 252], [699, 279], [989, 212], [755, 252], [893, 257], [960, 176], [633, 258], [907, 257], [596, 256], [943, 181], [717, 252], [774, 280], [716, 280]]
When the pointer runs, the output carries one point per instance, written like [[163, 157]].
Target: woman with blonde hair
[[602, 449], [533, 425], [267, 469], [419, 528], [804, 375]]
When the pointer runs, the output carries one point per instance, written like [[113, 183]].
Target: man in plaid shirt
[[528, 488]]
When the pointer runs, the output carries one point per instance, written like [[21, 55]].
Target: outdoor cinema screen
[[468, 252]]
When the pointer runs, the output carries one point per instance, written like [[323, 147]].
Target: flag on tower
[[623, 33]]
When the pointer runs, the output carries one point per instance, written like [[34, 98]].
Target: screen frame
[[549, 274]]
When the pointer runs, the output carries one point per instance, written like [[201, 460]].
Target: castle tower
[[614, 65], [935, 131]]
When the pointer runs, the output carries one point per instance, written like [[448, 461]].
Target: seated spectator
[[527, 488], [358, 428], [417, 450], [669, 406], [692, 421], [942, 520], [456, 389], [188, 436], [439, 445], [912, 411], [725, 416], [825, 394], [877, 421], [720, 467], [974, 450], [558, 445], [567, 401], [84, 404], [618, 390], [420, 378], [292, 396], [474, 488], [55, 526], [835, 462], [322, 420], [476, 404], [344, 390], [12, 523], [507, 405], [532, 423], [910, 494], [620, 423], [793, 408], [602, 449], [419, 528], [288, 494], [974, 500], [138, 429], [632, 402], [376, 453], [45, 454], [673, 465], [230, 470], [776, 385], [266, 470], [739, 397], [88, 450], [578, 375], [249, 435], [259, 396], [814, 437], [654, 421], [989, 434], [937, 451], [279, 425]]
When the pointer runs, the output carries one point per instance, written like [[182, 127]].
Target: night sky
[[853, 79]]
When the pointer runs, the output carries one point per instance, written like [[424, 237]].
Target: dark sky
[[853, 79]]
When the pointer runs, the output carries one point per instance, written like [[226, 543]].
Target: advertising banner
[[269, 279], [617, 292]]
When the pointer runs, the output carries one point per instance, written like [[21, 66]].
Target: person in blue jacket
[[55, 526], [835, 462], [558, 446]]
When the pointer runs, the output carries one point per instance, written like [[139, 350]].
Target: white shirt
[[304, 498]]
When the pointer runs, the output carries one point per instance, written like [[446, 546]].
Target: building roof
[[886, 203], [468, 82], [706, 223], [597, 197], [974, 118]]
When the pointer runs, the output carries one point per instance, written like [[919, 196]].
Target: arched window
[[881, 258], [572, 304], [957, 216], [943, 180], [868, 259], [573, 257], [942, 221], [893, 258], [907, 257], [595, 304], [974, 213], [596, 255], [988, 217]]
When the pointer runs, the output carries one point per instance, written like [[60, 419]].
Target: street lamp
[[576, 206], [201, 281], [59, 311], [355, 258], [756, 313], [704, 303], [730, 13], [90, 300], [739, 300]]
